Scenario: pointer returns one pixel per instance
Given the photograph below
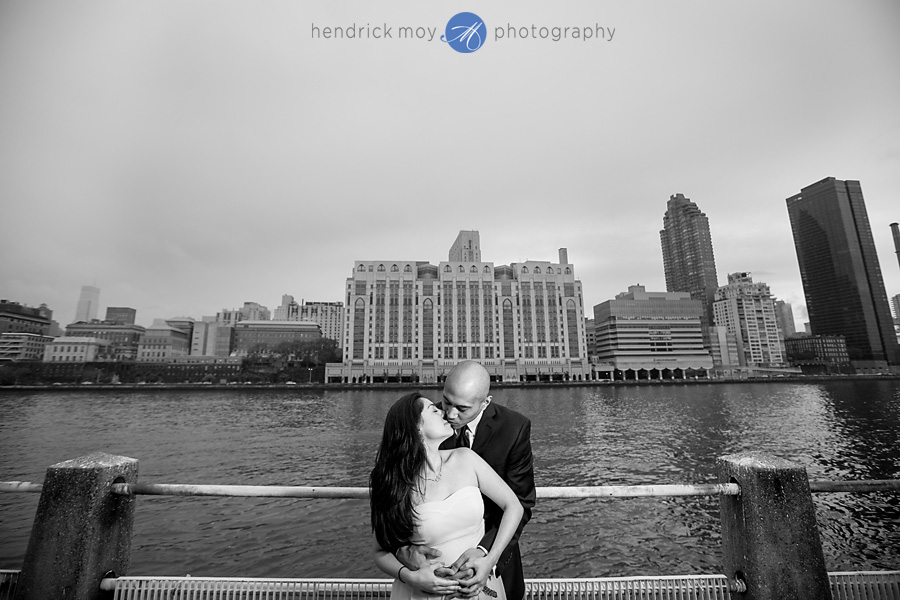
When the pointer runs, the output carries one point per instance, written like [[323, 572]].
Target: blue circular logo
[[465, 32]]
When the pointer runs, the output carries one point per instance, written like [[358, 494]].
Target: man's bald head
[[466, 392], [469, 379]]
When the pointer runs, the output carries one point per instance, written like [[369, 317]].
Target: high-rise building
[[23, 346], [120, 315], [288, 311], [251, 311], [839, 268], [408, 320], [329, 316], [895, 300], [18, 318], [262, 336], [651, 335], [819, 354], [88, 304], [784, 314], [77, 349], [209, 338], [590, 338], [123, 338], [163, 342], [746, 309], [687, 250], [895, 233], [466, 248]]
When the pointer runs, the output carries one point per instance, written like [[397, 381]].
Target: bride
[[422, 495]]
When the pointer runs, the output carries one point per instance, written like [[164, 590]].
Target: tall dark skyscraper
[[842, 281], [688, 253]]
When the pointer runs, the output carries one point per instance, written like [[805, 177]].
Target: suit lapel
[[485, 429]]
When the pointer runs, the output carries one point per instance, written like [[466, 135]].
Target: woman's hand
[[426, 580], [475, 560]]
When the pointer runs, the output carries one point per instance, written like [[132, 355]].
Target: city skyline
[[186, 160]]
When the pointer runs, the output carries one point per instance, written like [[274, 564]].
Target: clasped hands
[[462, 579]]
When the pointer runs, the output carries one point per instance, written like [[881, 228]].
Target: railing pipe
[[20, 486], [274, 491], [869, 485], [639, 491], [546, 492]]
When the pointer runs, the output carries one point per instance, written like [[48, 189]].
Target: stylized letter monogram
[[464, 32]]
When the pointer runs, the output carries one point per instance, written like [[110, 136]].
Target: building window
[[395, 269], [381, 268], [407, 269], [568, 271], [474, 269], [537, 270], [447, 269], [461, 269], [361, 268], [524, 269]]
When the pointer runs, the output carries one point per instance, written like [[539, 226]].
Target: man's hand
[[453, 573], [415, 557], [427, 580], [473, 563]]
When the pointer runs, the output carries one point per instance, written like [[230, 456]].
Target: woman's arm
[[493, 486]]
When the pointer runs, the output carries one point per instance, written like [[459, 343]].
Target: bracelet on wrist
[[483, 549], [401, 570]]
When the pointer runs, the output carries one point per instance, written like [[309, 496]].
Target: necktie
[[462, 439]]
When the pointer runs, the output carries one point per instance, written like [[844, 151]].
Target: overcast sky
[[187, 156]]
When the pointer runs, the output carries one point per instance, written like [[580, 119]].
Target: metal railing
[[844, 586], [768, 484], [547, 492]]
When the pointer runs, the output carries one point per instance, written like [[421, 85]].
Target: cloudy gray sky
[[187, 156]]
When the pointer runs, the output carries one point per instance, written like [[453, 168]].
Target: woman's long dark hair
[[396, 474]]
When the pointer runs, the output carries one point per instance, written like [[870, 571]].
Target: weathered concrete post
[[81, 529], [769, 532]]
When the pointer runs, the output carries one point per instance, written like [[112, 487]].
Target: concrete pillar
[[81, 529], [769, 532]]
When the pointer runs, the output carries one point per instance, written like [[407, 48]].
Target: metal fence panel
[[862, 585]]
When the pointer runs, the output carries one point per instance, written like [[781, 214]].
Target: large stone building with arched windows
[[411, 321]]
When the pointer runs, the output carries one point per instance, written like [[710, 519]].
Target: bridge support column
[[769, 533], [81, 529]]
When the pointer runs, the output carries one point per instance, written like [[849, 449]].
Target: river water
[[604, 435]]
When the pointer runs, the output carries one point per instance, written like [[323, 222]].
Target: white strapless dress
[[452, 525]]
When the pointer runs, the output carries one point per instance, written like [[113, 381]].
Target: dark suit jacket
[[503, 440]]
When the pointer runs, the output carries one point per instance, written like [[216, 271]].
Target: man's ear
[[487, 401]]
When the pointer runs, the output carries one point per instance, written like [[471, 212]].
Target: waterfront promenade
[[80, 543], [584, 435], [436, 385]]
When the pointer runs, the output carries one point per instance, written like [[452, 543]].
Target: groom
[[502, 437]]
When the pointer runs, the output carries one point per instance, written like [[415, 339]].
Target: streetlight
[[309, 374]]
